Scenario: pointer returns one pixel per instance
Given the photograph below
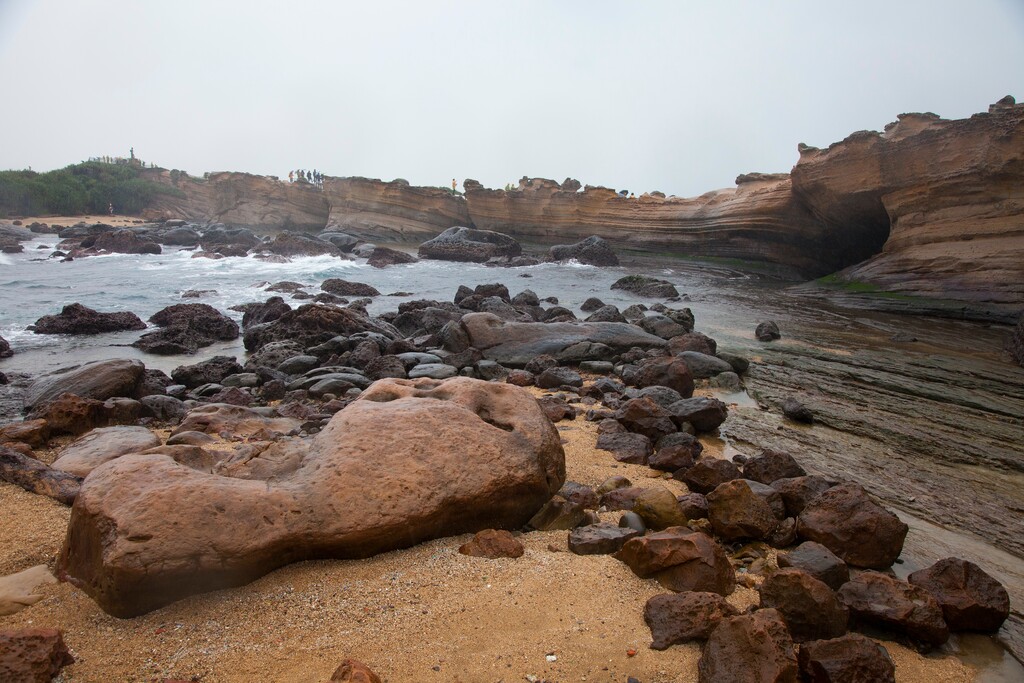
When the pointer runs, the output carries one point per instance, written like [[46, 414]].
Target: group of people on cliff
[[313, 177]]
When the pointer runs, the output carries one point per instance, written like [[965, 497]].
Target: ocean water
[[32, 285]]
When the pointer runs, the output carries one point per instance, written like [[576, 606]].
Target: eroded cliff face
[[392, 211], [241, 200], [758, 220], [949, 196]]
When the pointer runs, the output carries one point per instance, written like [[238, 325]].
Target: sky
[[675, 96]]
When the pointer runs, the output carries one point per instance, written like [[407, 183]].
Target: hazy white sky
[[675, 96]]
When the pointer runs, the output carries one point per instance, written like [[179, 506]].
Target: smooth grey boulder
[[99, 380], [514, 344]]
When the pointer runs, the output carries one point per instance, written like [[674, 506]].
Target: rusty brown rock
[[477, 455], [851, 658], [37, 477], [35, 433], [354, 671], [101, 445], [880, 600], [492, 544], [749, 648], [857, 529], [970, 599], [34, 655], [811, 610], [680, 560], [676, 618], [737, 513]]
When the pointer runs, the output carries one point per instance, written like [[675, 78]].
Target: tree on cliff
[[89, 187]]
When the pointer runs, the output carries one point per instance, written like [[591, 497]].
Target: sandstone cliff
[[948, 195], [241, 200], [759, 220], [392, 211]]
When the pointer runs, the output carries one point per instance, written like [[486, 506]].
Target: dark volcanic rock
[[381, 257], [797, 492], [298, 244], [466, 244], [209, 371], [626, 446], [749, 648], [185, 328], [5, 348], [811, 610], [680, 560], [819, 562], [270, 310], [767, 331], [559, 376], [1017, 342], [313, 324], [852, 658], [644, 285], [771, 465], [705, 414], [603, 538], [708, 474], [345, 288], [514, 344], [125, 242], [858, 530], [676, 618], [676, 451], [665, 372], [593, 250], [644, 416], [879, 600], [797, 411], [970, 599], [78, 319]]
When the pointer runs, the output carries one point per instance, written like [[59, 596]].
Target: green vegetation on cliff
[[88, 187]]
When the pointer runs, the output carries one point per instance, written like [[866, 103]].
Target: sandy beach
[[426, 613]]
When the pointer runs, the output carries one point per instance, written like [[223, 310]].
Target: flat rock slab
[[406, 462], [514, 344], [100, 445]]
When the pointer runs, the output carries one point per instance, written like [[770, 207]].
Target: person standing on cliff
[[453, 185]]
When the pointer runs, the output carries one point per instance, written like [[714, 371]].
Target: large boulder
[[185, 328], [881, 601], [466, 244], [98, 380], [210, 371], [665, 372], [703, 413], [336, 285], [313, 324], [857, 529], [297, 244], [811, 610], [125, 242], [101, 445], [847, 659], [382, 257], [645, 285], [462, 455], [676, 618], [737, 513], [970, 599], [818, 561], [514, 344], [594, 251], [680, 560], [78, 319], [749, 648], [5, 348]]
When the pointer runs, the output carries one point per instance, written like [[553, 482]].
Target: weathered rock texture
[[394, 211], [945, 197], [241, 200], [458, 456]]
